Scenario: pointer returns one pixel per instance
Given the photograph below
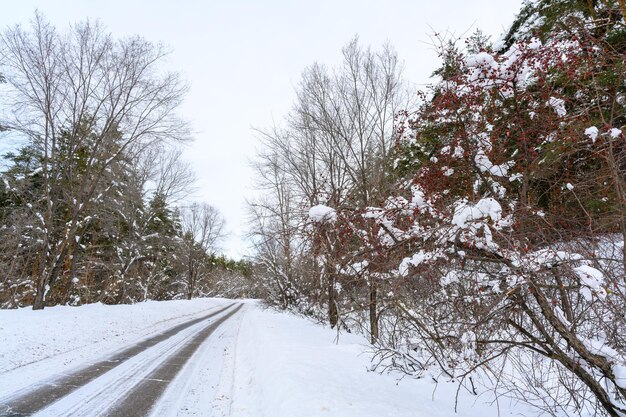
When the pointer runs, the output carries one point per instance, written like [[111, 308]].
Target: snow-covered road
[[200, 358], [127, 382]]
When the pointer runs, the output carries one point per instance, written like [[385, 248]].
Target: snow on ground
[[288, 366], [206, 381], [258, 363], [40, 344]]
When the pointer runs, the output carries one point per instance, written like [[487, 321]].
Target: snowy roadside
[[288, 366], [259, 363], [40, 344]]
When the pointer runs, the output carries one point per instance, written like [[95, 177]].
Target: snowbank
[[289, 366]]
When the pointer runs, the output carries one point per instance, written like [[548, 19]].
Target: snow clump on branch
[[322, 214]]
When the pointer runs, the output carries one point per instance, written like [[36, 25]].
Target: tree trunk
[[39, 302], [333, 315], [38, 269], [191, 279], [46, 281], [373, 312], [621, 197], [48, 278]]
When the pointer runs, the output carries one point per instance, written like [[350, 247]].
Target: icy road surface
[[205, 357]]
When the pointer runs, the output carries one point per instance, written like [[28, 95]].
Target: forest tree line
[[93, 189], [474, 229]]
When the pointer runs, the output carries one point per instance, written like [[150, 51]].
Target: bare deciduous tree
[[335, 147], [82, 95], [203, 229]]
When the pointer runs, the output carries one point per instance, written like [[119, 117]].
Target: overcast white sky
[[243, 59]]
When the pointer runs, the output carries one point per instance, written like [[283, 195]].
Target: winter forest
[[89, 201], [473, 227]]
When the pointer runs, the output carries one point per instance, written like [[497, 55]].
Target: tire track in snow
[[141, 400], [30, 400], [133, 388], [203, 388], [225, 393]]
